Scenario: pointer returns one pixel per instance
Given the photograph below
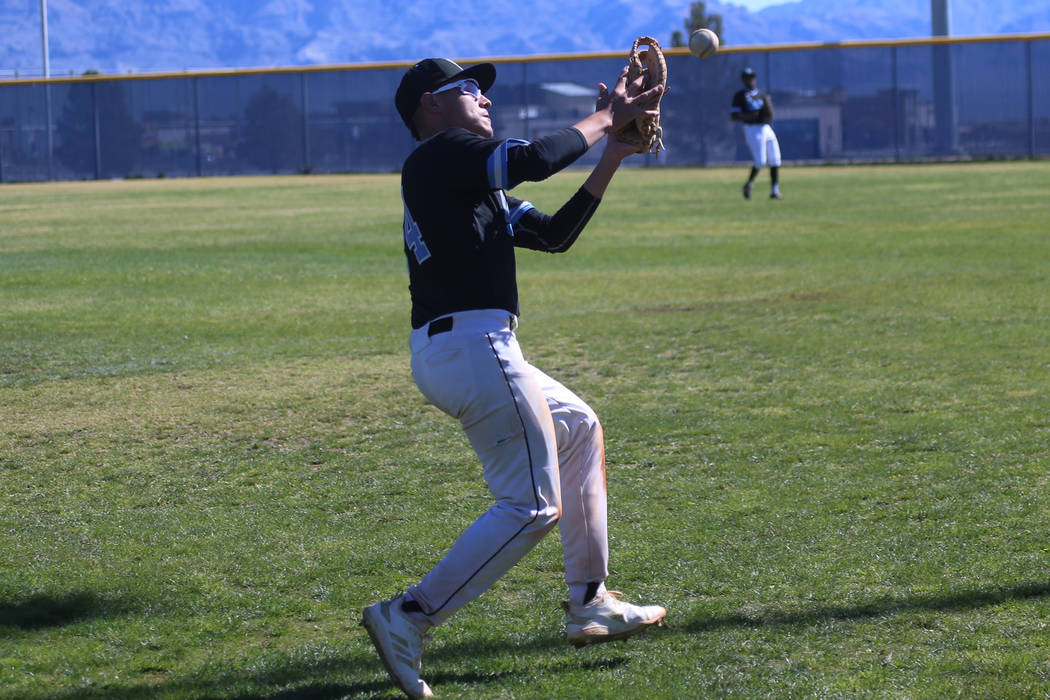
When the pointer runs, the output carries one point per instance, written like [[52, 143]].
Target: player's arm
[[465, 161], [744, 117], [516, 161], [553, 234], [736, 108], [556, 234], [740, 112], [765, 115]]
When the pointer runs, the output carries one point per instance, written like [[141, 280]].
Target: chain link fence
[[851, 102]]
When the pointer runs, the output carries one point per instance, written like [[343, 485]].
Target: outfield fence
[[982, 97]]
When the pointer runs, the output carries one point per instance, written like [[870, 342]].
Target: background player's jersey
[[753, 106], [460, 226]]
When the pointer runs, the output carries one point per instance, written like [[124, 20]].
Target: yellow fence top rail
[[533, 58]]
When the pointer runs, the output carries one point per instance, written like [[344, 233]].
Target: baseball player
[[541, 447], [755, 110]]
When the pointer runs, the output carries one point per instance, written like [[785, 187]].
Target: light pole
[[43, 38], [947, 141], [47, 87]]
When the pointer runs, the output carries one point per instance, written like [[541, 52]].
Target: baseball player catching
[[755, 110], [541, 446]]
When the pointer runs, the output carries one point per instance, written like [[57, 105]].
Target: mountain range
[[137, 36]]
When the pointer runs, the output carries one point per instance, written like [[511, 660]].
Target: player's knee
[[590, 434], [535, 521], [547, 518], [578, 428]]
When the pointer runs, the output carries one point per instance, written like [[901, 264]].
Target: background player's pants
[[542, 453], [765, 149]]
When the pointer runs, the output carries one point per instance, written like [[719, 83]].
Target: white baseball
[[703, 43]]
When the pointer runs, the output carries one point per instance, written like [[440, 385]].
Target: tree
[[98, 112], [706, 88], [272, 131], [698, 18]]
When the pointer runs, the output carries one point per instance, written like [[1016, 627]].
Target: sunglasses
[[468, 86]]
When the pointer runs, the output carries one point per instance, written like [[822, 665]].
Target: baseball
[[703, 43]]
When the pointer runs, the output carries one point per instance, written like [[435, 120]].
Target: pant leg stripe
[[532, 475]]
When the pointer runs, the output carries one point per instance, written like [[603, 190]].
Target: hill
[[119, 36]]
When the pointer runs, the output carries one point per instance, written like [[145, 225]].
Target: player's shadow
[[945, 602], [433, 675], [308, 678], [312, 677], [45, 610]]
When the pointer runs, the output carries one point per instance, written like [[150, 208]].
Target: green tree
[[698, 18], [96, 113], [271, 135], [704, 90]]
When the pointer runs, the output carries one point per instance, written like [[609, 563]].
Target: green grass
[[827, 424]]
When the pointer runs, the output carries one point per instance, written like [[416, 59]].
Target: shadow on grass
[[43, 611], [310, 681], [323, 678], [955, 602], [296, 680]]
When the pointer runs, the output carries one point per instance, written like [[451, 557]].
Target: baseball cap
[[749, 71], [430, 74]]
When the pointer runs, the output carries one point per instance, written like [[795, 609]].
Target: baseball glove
[[644, 133]]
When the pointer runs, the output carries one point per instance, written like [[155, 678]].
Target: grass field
[[827, 422]]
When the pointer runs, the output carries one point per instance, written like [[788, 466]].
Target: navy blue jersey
[[753, 106], [461, 227]]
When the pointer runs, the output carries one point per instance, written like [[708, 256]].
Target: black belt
[[442, 325]]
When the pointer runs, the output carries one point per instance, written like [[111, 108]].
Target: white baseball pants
[[542, 454], [765, 149]]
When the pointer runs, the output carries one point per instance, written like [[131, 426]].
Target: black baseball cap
[[748, 72], [430, 74]]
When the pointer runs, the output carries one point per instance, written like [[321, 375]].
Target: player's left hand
[[626, 101]]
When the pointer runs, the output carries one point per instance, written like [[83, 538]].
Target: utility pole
[[47, 88], [947, 140]]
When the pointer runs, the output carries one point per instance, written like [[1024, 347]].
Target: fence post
[[1030, 97], [306, 166], [896, 106], [95, 129], [50, 134], [197, 122]]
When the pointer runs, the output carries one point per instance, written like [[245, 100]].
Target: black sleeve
[[737, 105], [765, 115], [543, 157], [553, 234]]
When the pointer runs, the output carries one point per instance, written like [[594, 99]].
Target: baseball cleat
[[606, 618], [399, 640], [775, 195], [747, 190]]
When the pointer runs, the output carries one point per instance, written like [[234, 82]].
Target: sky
[[755, 5]]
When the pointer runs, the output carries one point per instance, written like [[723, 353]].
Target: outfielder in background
[[541, 447], [754, 110]]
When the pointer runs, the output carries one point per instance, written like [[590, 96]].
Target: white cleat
[[399, 640], [606, 618]]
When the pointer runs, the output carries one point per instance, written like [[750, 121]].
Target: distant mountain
[[121, 36]]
